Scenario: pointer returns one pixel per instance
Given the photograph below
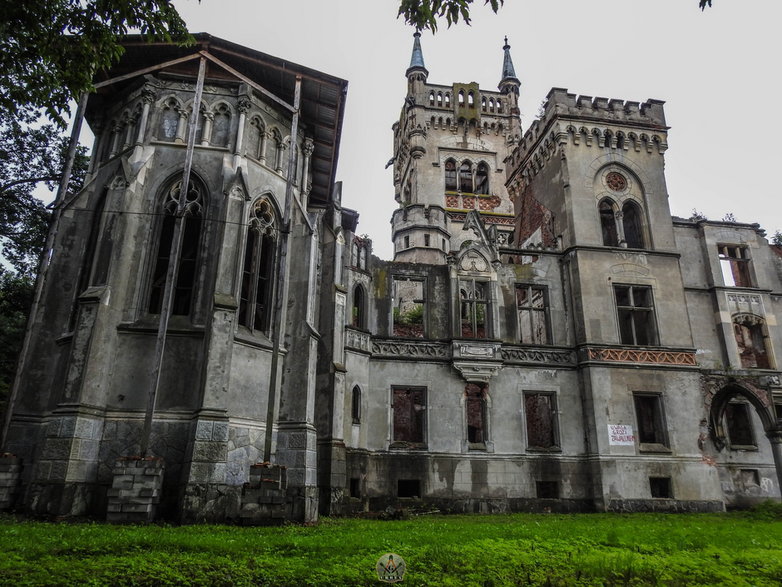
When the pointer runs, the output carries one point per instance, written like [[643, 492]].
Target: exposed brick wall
[[530, 216]]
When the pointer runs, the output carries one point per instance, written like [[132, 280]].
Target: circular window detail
[[616, 181]]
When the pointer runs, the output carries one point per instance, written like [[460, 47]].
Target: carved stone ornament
[[414, 350], [473, 261], [616, 181], [477, 372]]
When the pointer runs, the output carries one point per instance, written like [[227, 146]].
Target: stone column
[[206, 132], [309, 148], [181, 127], [147, 97], [775, 438]]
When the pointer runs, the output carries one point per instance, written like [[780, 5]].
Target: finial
[[506, 42]]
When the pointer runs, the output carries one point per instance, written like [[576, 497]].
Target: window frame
[[556, 439], [746, 408], [732, 266], [420, 440], [634, 312], [660, 442], [476, 393], [469, 305], [420, 301], [264, 247], [532, 310]]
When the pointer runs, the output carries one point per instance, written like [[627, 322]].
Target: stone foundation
[[264, 497], [135, 489], [10, 471]]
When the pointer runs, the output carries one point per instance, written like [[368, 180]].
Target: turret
[[509, 86], [417, 72]]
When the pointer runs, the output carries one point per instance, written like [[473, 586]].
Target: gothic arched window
[[355, 404], [258, 271], [465, 177], [483, 104], [431, 98], [633, 227], [461, 98], [450, 175], [482, 179], [471, 100], [608, 223], [185, 273], [447, 100], [221, 126], [255, 138], [169, 120], [358, 314]]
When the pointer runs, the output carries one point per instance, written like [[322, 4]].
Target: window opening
[[409, 409], [475, 405], [450, 175], [355, 405], [358, 317], [474, 308], [447, 101], [408, 488], [355, 487], [482, 179], [221, 126], [739, 425], [547, 489], [734, 262], [439, 99], [751, 342], [169, 120], [636, 314], [409, 305], [257, 275], [426, 240], [539, 412], [651, 422], [532, 313], [465, 177], [191, 238], [631, 222], [660, 487], [608, 224]]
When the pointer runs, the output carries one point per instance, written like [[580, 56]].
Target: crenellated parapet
[[584, 121]]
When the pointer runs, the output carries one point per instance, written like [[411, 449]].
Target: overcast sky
[[717, 71]]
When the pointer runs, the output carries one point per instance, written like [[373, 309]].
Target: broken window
[[358, 311], [474, 308], [660, 487], [739, 425], [635, 311], [465, 177], [751, 341], [355, 404], [185, 275], [482, 179], [532, 313], [409, 408], [258, 271], [633, 228], [651, 421], [608, 223], [734, 262], [408, 307], [539, 412], [475, 405], [450, 175]]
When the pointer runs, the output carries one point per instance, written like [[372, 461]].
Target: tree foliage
[[51, 49], [30, 155], [16, 297]]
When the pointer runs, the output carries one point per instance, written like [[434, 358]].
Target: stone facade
[[547, 336]]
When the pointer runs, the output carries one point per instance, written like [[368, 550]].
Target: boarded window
[[636, 314], [408, 308], [475, 405], [651, 422], [539, 412], [734, 262], [474, 308], [532, 313], [739, 425], [409, 408], [751, 343]]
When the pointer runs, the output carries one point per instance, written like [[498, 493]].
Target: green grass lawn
[[518, 549]]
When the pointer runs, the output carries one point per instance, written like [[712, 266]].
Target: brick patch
[[263, 498], [135, 489]]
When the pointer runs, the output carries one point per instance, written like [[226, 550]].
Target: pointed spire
[[417, 58], [508, 72]]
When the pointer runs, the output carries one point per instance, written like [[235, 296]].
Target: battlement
[[562, 104]]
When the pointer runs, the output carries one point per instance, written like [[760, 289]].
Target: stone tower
[[450, 144]]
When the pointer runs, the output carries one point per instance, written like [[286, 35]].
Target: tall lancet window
[[450, 175], [258, 271], [482, 179], [185, 274], [221, 126], [465, 177]]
